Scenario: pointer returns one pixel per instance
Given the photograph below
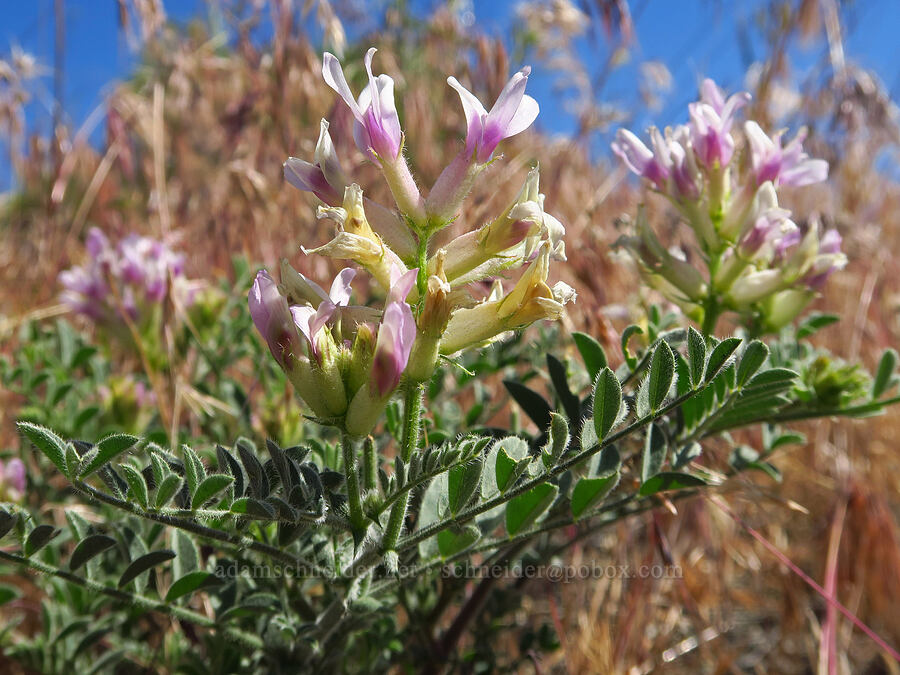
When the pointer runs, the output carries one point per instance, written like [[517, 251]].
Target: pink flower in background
[[396, 335], [768, 227], [12, 478], [829, 260], [669, 160], [512, 113], [711, 120], [787, 165], [139, 267], [640, 159], [377, 128]]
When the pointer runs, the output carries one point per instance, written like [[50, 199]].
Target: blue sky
[[694, 38]]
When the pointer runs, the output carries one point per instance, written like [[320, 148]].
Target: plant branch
[[133, 599], [469, 514], [205, 532]]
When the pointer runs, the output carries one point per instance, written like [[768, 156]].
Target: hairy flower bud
[[272, 318]]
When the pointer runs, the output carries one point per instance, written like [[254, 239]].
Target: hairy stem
[[370, 464], [412, 422], [351, 468]]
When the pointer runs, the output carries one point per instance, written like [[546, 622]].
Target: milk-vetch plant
[[357, 527], [759, 263]]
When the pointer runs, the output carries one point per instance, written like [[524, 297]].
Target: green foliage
[[174, 527]]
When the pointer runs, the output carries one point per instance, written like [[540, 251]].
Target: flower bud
[[308, 387], [327, 374], [755, 286], [327, 160], [272, 318], [784, 307], [359, 370]]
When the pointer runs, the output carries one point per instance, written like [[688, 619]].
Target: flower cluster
[[130, 279], [760, 263], [12, 480], [344, 360]]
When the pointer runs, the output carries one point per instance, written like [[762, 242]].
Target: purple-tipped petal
[[639, 158], [96, 243], [632, 151], [831, 242], [507, 103], [512, 113], [785, 243], [712, 95], [310, 178], [323, 315], [303, 316], [383, 122], [377, 129], [525, 116], [788, 165], [808, 172], [474, 111]]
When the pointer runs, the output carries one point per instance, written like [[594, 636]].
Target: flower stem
[[711, 309], [412, 418], [351, 468], [412, 422]]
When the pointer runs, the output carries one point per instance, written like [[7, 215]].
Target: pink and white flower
[[711, 120], [377, 130], [396, 335], [787, 165], [512, 113]]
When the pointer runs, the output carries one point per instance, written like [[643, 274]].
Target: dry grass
[[193, 149]]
